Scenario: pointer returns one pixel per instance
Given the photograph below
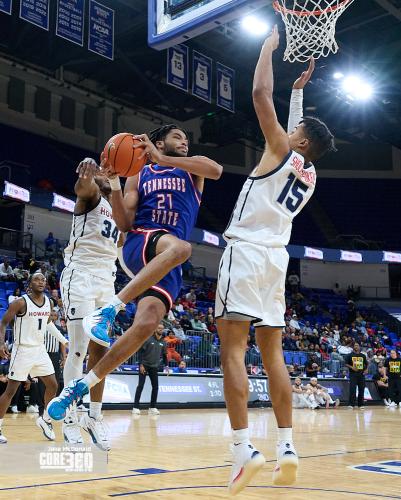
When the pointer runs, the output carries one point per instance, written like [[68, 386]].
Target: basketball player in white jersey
[[28, 356], [87, 282], [253, 269]]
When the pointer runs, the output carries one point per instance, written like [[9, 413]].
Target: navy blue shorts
[[139, 249]]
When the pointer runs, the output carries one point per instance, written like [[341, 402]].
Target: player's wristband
[[115, 183]]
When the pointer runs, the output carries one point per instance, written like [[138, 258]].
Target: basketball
[[122, 156]]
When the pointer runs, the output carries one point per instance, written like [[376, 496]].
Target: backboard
[[174, 21]]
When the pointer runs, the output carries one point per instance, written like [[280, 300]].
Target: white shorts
[[29, 360], [82, 292], [251, 284]]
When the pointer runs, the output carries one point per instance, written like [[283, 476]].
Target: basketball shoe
[[153, 411], [3, 439], [71, 429], [96, 429], [46, 427], [247, 462], [76, 389], [285, 472], [136, 411], [98, 324]]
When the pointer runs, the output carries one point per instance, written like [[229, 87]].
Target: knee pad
[[77, 349]]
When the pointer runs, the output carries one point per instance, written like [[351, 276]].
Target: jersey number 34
[[108, 232], [293, 193]]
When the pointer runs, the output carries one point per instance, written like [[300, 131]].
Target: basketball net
[[310, 27]]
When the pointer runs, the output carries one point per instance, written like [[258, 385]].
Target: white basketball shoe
[[247, 462]]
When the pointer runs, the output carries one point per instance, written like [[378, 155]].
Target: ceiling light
[[255, 26], [357, 88]]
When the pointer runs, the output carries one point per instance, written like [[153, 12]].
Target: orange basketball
[[122, 156]]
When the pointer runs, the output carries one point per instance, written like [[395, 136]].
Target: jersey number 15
[[294, 198]]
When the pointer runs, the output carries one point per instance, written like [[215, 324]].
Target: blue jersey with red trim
[[168, 199]]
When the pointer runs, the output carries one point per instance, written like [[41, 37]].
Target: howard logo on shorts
[[392, 467]]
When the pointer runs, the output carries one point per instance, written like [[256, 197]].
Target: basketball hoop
[[310, 27]]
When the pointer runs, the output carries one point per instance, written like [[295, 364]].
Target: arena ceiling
[[369, 36]]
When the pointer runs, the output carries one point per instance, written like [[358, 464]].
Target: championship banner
[[225, 87], [35, 12], [178, 67], [70, 20], [202, 76], [6, 6], [101, 30]]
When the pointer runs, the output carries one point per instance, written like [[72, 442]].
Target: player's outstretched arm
[[297, 94], [200, 166], [86, 188], [16, 307], [262, 95]]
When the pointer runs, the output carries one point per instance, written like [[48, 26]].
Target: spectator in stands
[[60, 310], [50, 243], [294, 322], [357, 363], [185, 323], [320, 394], [393, 371], [54, 297], [181, 368], [190, 296], [178, 330], [337, 362], [178, 306], [293, 281], [381, 380], [312, 366], [32, 265], [171, 342], [20, 274], [211, 324], [302, 345], [6, 271], [346, 347], [372, 365], [301, 396], [197, 325], [15, 295]]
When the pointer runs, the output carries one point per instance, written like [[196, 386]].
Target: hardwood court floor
[[190, 449]]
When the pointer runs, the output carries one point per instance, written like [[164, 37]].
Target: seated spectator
[[211, 324], [293, 281], [54, 297], [15, 295], [181, 368], [302, 397], [312, 367], [171, 344], [178, 306], [190, 296], [178, 330], [321, 395], [294, 322], [197, 325], [20, 274], [381, 380], [185, 323], [6, 271]]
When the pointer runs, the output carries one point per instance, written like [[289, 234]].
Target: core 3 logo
[[388, 467]]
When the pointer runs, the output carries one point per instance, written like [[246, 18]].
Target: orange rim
[[300, 13]]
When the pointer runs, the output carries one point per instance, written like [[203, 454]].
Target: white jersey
[[268, 203], [29, 328], [93, 242]]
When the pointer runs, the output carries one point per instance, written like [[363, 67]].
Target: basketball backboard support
[[171, 22]]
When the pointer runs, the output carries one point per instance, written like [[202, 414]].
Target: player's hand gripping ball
[[119, 154]]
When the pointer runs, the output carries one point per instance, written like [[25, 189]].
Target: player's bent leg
[[170, 252], [149, 313], [43, 421], [93, 423], [5, 400], [269, 341], [247, 461]]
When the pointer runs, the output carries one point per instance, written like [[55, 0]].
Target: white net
[[310, 27]]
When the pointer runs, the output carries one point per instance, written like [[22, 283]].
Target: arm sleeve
[[296, 109], [53, 330]]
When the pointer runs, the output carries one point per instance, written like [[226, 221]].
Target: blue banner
[[202, 76], [101, 30], [6, 6], [225, 87], [178, 67], [70, 20], [35, 12]]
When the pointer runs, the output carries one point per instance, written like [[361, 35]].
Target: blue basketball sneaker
[[98, 324], [73, 392]]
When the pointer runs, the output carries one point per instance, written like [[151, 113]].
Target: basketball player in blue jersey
[[253, 269], [159, 210]]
